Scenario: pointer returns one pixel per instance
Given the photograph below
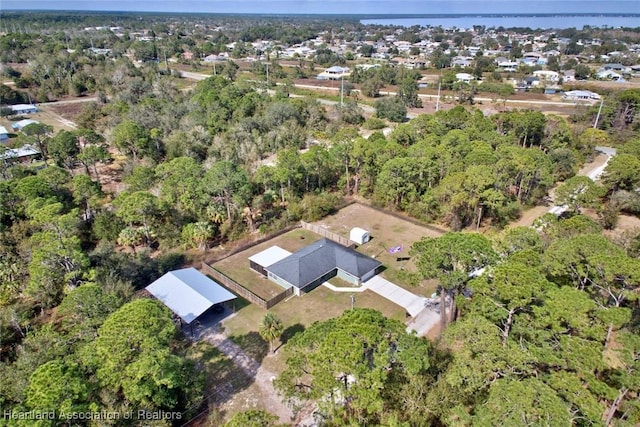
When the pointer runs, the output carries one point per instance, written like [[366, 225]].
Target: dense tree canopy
[[349, 365]]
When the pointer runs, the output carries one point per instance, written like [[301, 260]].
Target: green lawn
[[386, 231], [299, 312]]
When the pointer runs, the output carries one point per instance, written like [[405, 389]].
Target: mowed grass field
[[321, 303], [386, 231]]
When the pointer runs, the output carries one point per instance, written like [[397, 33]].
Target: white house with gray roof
[[318, 262]]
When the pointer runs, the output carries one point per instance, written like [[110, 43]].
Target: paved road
[[200, 76], [70, 101], [423, 322], [194, 76]]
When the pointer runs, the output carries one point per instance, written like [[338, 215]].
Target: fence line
[[407, 218], [245, 293], [326, 233], [234, 286], [246, 245], [282, 295]]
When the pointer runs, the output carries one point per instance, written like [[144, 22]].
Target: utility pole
[[595, 125], [353, 301], [438, 98], [267, 76], [166, 63], [342, 90]]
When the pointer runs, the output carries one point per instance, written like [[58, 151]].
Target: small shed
[[260, 261], [359, 235], [4, 135]]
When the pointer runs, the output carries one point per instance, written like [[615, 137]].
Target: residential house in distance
[[529, 82], [618, 68], [547, 76], [334, 73], [23, 123], [462, 61], [464, 77], [24, 109], [580, 95], [210, 59], [609, 74]]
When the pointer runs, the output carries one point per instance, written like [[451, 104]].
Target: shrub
[[374, 123]]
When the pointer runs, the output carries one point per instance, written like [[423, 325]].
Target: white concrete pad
[[413, 304], [423, 322]]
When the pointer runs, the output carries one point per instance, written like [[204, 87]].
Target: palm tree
[[215, 213], [271, 329], [131, 237]]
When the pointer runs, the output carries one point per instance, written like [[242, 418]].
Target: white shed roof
[[17, 153], [269, 256], [23, 123], [188, 293], [3, 129], [358, 231], [23, 107]]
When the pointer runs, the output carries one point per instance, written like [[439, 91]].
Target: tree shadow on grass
[[290, 332], [252, 344], [223, 377]]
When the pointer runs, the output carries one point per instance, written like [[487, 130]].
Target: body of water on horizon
[[533, 22]]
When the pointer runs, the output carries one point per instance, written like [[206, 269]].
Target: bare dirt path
[[262, 377]]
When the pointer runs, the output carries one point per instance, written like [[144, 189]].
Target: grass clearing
[[297, 313], [386, 231]]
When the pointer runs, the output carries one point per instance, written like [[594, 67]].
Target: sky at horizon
[[332, 6]]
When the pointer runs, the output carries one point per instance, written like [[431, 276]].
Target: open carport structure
[[188, 293]]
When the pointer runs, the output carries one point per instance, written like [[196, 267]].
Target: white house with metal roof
[[22, 154], [576, 95], [334, 73], [24, 109]]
